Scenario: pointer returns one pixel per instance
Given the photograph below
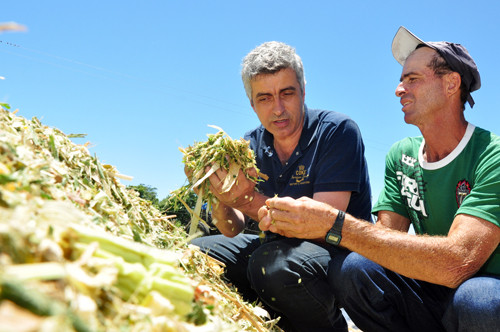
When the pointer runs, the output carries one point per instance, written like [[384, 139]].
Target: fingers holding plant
[[232, 187], [301, 218], [220, 170]]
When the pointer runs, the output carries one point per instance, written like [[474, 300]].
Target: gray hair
[[269, 58]]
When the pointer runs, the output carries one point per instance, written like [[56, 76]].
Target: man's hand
[[303, 218], [242, 192]]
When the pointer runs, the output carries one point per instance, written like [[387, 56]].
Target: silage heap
[[79, 251]]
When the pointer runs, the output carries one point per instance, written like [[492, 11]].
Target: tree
[[171, 205], [147, 192]]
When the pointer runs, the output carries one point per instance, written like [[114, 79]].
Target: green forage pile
[[79, 251]]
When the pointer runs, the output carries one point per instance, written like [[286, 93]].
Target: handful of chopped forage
[[219, 151]]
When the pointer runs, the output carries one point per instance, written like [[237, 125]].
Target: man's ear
[[453, 81]]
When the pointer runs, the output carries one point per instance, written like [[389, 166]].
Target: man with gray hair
[[305, 152]]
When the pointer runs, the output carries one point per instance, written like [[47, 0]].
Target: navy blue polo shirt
[[329, 157]]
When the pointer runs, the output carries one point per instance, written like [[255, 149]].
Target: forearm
[[231, 220], [250, 205], [434, 259]]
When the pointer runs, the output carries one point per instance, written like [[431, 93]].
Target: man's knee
[[279, 266], [348, 271], [269, 269], [479, 293], [475, 305]]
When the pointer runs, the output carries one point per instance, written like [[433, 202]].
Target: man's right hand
[[241, 193], [232, 204]]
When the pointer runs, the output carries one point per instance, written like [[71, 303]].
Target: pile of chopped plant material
[[79, 251], [220, 151]]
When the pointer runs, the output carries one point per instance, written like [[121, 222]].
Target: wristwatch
[[334, 235]]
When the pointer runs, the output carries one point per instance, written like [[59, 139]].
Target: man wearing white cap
[[446, 184]]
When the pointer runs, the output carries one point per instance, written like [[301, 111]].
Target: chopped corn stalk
[[219, 151], [195, 216]]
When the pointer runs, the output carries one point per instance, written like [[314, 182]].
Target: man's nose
[[278, 107], [400, 90]]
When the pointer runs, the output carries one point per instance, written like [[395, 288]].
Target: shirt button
[[297, 153]]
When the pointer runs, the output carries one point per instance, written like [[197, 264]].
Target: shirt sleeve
[[390, 196], [483, 199], [342, 165]]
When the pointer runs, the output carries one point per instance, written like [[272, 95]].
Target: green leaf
[[77, 135], [4, 178]]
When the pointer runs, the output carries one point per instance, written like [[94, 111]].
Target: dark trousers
[[288, 275]]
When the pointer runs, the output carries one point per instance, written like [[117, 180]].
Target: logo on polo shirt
[[300, 177]]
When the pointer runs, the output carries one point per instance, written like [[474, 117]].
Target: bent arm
[[445, 260]]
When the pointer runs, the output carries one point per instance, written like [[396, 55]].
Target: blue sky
[[143, 78]]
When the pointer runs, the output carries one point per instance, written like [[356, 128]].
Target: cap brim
[[403, 44]]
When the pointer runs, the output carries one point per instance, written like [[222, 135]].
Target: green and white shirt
[[467, 181]]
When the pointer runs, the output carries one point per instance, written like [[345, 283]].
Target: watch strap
[[334, 235]]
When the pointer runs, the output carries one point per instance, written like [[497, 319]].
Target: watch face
[[334, 235], [333, 238]]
